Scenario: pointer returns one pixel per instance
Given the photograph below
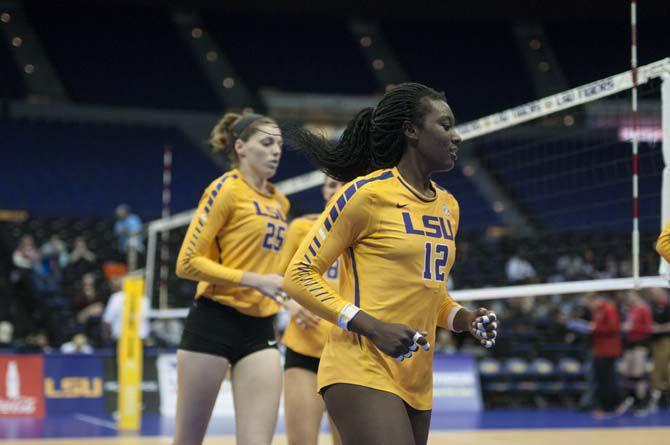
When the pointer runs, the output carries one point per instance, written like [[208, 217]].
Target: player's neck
[[416, 173], [252, 178]]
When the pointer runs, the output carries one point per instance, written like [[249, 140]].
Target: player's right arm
[[663, 243], [193, 263], [341, 225]]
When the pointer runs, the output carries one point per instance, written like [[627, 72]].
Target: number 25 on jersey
[[274, 237]]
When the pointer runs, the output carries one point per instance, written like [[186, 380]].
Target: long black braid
[[373, 139]]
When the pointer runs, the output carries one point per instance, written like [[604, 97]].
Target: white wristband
[[346, 314]]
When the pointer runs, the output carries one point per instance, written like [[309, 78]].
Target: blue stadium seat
[[572, 374], [293, 53], [491, 373], [94, 167]]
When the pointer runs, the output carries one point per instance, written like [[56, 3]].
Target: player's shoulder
[[303, 223], [226, 181], [282, 199], [444, 194], [367, 186], [306, 219]]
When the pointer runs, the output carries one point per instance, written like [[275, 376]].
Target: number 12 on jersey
[[435, 261]]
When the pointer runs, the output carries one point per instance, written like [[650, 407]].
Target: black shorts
[[217, 329], [294, 359]]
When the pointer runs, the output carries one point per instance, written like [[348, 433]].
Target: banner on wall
[[74, 384], [455, 387], [456, 384], [21, 391]]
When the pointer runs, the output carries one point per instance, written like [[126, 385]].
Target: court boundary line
[[96, 421]]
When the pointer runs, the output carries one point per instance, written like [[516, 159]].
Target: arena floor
[[500, 427]]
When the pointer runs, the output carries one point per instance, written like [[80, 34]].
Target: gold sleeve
[[213, 212], [347, 219], [447, 312], [296, 233]]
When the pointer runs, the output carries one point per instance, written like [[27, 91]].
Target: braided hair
[[373, 139]]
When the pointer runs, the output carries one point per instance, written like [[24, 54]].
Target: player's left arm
[[481, 323]]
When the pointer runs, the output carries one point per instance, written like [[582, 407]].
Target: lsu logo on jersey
[[428, 225], [269, 211]]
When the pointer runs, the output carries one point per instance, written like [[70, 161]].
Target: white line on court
[[96, 421]]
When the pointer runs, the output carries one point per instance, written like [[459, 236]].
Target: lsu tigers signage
[[74, 383]]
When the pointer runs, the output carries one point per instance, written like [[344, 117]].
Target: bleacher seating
[[574, 179], [121, 55], [606, 46], [84, 170], [11, 86], [448, 56], [293, 53]]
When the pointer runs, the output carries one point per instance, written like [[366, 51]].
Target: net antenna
[[634, 144], [575, 97]]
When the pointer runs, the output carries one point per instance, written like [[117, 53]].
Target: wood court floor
[[595, 436]]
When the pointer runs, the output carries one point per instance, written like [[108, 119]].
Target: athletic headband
[[242, 125]]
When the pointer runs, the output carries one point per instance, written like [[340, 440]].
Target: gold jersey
[[397, 249], [305, 341], [236, 228], [663, 243]]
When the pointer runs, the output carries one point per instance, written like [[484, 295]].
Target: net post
[[634, 143], [130, 356], [151, 260], [165, 234], [664, 267]]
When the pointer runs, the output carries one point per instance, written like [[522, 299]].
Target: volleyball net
[[546, 193]]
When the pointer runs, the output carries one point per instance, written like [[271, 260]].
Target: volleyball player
[[232, 245], [304, 339], [394, 229], [663, 243]]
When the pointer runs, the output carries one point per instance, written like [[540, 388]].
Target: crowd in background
[[60, 296]]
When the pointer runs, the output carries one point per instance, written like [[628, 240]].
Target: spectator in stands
[[660, 347], [78, 345], [26, 255], [54, 259], [605, 326], [638, 329], [55, 252], [112, 318], [6, 334], [36, 342], [82, 261], [24, 307], [519, 270], [610, 269], [88, 304], [128, 230]]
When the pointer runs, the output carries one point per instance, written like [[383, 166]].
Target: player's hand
[[303, 318], [394, 339], [484, 327], [269, 285]]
